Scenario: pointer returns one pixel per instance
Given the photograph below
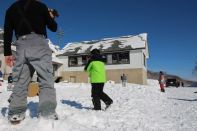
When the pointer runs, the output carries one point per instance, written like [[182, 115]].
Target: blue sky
[[171, 26]]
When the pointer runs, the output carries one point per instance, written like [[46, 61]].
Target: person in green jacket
[[96, 69]]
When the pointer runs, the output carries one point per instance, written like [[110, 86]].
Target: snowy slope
[[135, 108]]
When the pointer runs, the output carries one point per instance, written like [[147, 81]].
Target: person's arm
[[89, 67], [49, 18], [8, 33], [86, 66]]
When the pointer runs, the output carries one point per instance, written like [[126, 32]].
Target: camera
[[54, 12]]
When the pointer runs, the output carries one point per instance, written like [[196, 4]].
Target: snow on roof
[[56, 60], [107, 44], [53, 47], [56, 50], [1, 34], [1, 30]]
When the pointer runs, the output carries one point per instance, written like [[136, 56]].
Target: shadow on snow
[[33, 108], [191, 100], [4, 111], [74, 104]]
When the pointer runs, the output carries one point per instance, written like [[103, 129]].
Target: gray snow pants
[[33, 54]]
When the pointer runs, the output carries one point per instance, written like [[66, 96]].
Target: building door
[[73, 79]]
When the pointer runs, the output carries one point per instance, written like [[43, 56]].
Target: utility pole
[[60, 34]]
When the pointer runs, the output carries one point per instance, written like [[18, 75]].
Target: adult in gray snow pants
[[33, 54], [29, 19]]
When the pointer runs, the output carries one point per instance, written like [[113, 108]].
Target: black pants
[[98, 94]]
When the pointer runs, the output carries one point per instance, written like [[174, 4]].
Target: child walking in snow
[[96, 69]]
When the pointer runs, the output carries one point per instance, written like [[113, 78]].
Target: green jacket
[[96, 70]]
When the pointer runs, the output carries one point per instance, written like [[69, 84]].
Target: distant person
[[10, 78], [28, 19], [124, 80], [96, 69], [182, 84], [178, 83], [10, 82], [1, 76], [161, 81]]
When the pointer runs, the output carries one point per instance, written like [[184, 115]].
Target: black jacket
[[37, 16]]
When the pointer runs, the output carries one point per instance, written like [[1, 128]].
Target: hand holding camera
[[53, 13]]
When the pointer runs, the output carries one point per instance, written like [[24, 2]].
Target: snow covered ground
[[135, 108]]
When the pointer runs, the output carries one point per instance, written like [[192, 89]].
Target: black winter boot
[[97, 104]]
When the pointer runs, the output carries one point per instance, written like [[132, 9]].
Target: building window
[[144, 60], [104, 57], [115, 58], [84, 59], [73, 79], [118, 58], [72, 61], [109, 59], [79, 61], [75, 61], [123, 57]]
